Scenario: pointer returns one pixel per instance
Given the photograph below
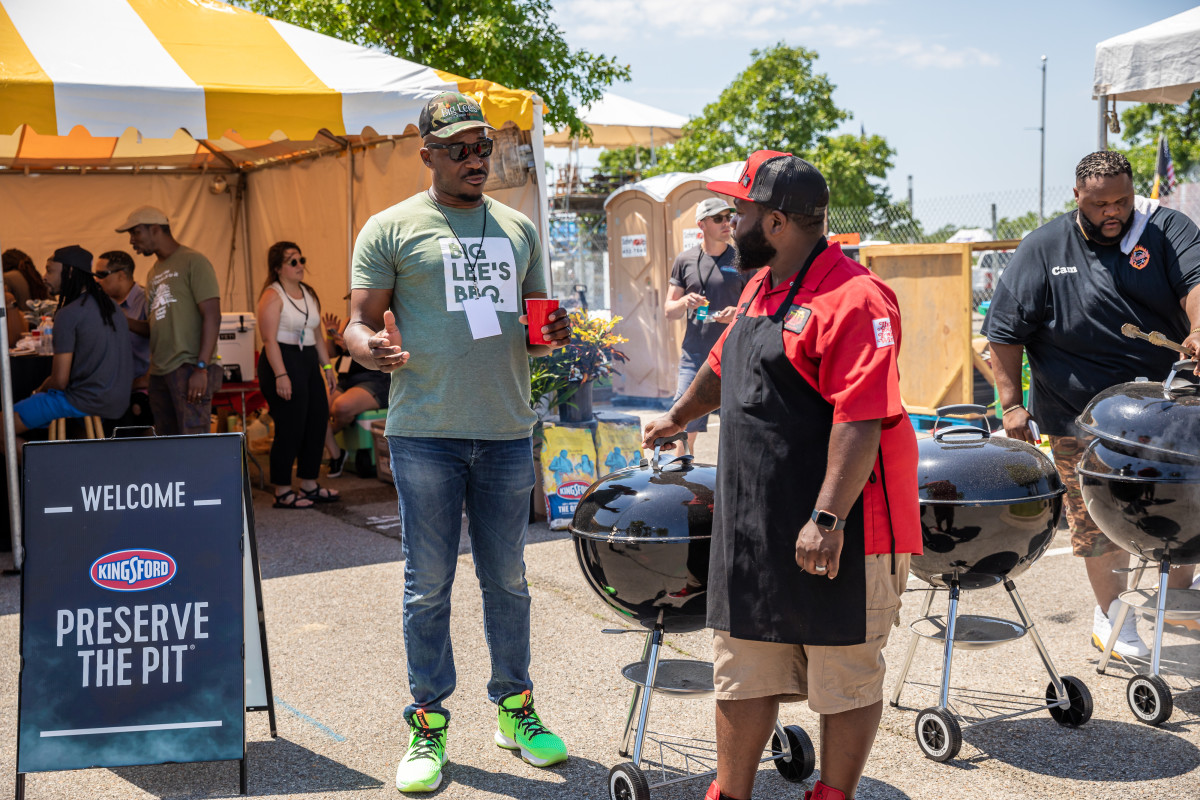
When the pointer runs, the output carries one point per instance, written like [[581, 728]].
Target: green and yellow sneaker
[[421, 768], [520, 729]]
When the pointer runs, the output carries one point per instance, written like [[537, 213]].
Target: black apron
[[774, 446]]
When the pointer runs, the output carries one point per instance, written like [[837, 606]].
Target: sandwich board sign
[[139, 580]]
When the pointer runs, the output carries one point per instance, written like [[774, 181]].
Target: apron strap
[[780, 312]]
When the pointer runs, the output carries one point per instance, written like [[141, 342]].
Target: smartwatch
[[828, 521], [200, 365]]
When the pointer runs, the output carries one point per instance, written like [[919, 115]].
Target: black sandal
[[289, 499], [315, 495]]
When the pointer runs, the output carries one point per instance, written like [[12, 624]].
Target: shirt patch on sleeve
[[883, 332], [796, 318]]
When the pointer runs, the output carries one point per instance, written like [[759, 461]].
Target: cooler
[[235, 346]]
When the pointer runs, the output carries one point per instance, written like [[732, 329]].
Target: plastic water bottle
[[46, 339]]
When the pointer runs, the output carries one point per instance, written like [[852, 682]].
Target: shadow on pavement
[[1042, 746], [273, 767], [579, 777]]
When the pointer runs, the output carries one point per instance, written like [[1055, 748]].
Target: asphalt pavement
[[332, 592]]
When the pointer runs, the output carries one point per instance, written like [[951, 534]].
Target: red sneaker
[[822, 792]]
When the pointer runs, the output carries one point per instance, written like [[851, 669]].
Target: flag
[[1164, 170]]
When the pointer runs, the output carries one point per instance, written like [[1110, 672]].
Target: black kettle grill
[[1140, 481], [642, 537], [989, 509]]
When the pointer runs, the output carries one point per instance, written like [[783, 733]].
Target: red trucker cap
[[780, 181]]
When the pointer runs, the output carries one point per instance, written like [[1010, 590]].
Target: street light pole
[[1042, 170]]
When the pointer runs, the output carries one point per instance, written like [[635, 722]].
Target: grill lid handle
[[658, 444], [962, 410], [1182, 377], [961, 432]]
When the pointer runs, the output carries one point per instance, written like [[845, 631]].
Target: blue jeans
[[689, 366], [433, 479]]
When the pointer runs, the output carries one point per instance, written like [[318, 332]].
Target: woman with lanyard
[[293, 373]]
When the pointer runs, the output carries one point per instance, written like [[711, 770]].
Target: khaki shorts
[[832, 679], [1087, 540]]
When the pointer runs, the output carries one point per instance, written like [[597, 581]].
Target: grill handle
[[1182, 377], [658, 444], [962, 410], [962, 431]]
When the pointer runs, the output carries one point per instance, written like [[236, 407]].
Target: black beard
[[1092, 231], [753, 250]]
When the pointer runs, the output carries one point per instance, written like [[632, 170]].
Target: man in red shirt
[[816, 510]]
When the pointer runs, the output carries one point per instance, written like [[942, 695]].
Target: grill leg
[[634, 702], [1164, 572], [656, 638], [1060, 691], [912, 648], [951, 619]]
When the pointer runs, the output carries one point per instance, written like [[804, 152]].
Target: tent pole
[[10, 446], [1102, 141], [350, 219], [244, 184]]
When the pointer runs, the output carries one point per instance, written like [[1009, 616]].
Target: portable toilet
[[638, 272]]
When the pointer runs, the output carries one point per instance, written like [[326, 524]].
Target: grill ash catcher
[[1140, 480], [989, 510], [642, 536]]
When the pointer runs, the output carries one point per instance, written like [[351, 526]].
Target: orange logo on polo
[[1139, 258]]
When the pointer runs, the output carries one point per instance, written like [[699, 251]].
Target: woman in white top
[[294, 373]]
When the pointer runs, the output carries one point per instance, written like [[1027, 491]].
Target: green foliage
[[780, 102], [1141, 126], [592, 355], [510, 42], [629, 161]]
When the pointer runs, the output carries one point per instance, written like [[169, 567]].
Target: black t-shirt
[[715, 278], [1065, 299]]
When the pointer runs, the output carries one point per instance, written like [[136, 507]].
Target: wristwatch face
[[825, 520]]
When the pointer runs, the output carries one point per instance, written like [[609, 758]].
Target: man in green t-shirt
[[448, 270], [184, 317]]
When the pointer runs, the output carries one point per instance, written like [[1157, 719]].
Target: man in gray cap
[[816, 509], [185, 318], [705, 285], [448, 269]]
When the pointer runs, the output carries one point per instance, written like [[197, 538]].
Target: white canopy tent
[[243, 129], [1158, 63], [618, 122]]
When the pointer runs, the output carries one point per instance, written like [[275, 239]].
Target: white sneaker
[[1128, 642]]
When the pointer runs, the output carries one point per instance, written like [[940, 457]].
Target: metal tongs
[[1154, 337]]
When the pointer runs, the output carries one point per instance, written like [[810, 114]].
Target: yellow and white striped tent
[[245, 130]]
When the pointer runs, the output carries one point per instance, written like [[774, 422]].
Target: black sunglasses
[[301, 260], [104, 273], [458, 151], [723, 218]]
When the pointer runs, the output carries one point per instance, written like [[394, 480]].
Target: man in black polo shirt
[[1070, 287], [705, 285]]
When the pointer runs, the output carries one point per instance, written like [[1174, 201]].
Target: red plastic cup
[[538, 310]]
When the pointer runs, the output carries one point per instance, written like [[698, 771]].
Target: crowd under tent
[[243, 129]]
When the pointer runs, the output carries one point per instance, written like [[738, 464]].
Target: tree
[[780, 102], [625, 160], [511, 42], [1141, 126]]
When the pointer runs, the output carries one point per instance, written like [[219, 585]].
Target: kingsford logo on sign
[[133, 570], [573, 490]]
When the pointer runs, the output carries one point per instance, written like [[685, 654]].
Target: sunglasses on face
[[104, 273], [721, 219], [301, 261], [459, 150]]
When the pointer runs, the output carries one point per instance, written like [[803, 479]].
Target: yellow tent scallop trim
[[26, 93]]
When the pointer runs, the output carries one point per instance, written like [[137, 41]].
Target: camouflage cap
[[448, 113]]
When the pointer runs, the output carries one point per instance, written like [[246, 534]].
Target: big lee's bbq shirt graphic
[[132, 602], [480, 268]]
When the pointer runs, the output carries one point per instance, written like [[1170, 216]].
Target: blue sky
[[953, 86]]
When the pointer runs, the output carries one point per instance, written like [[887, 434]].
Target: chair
[[92, 428]]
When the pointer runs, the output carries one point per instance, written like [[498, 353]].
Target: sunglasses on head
[[298, 261], [458, 151], [720, 219]]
